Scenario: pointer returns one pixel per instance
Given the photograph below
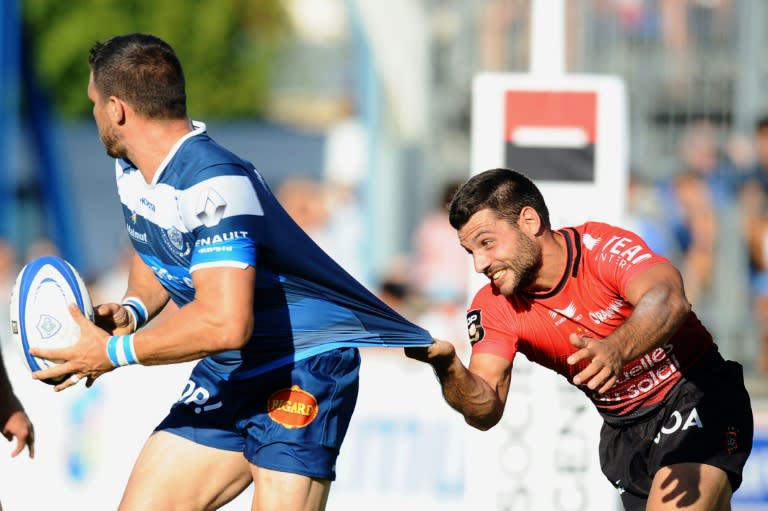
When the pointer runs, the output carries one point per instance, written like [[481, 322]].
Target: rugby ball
[[39, 311]]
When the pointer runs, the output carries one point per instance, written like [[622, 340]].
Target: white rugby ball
[[39, 312]]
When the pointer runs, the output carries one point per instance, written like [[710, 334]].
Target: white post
[[547, 50]]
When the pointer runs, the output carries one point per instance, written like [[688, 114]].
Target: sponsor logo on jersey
[[216, 243], [624, 251], [642, 375], [677, 423], [590, 241], [475, 326], [292, 407], [603, 315], [731, 440], [567, 312], [210, 207], [138, 236], [147, 204], [220, 238], [174, 236], [174, 240], [173, 280]]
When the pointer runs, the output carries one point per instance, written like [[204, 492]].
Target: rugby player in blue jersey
[[274, 321]]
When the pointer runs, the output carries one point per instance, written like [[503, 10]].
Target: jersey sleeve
[[489, 326], [224, 212], [618, 255]]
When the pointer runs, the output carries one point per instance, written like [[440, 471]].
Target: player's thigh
[[690, 487], [284, 491], [173, 473]]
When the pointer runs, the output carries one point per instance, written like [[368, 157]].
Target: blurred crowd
[[709, 215]]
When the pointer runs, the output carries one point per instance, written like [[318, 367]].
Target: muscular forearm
[[143, 284], [193, 332], [470, 395], [657, 315]]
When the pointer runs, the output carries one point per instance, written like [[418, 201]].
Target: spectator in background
[[305, 200], [646, 216], [40, 247], [754, 200], [702, 206], [441, 268], [344, 174], [395, 287], [694, 225], [441, 273], [700, 154], [9, 268], [699, 198]]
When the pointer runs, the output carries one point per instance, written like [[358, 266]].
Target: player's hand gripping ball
[[40, 314]]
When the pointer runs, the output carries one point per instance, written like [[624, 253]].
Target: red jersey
[[589, 300]]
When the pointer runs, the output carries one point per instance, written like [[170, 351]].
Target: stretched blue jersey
[[205, 208]]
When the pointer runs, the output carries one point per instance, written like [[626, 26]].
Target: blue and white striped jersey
[[206, 207]]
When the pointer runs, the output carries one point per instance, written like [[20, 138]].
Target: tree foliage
[[227, 47]]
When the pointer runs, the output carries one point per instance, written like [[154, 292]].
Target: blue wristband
[[137, 309], [120, 350]]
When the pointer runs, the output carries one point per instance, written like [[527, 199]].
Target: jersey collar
[[197, 129], [573, 259]]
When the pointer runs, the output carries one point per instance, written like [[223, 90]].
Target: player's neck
[[553, 261], [152, 142]]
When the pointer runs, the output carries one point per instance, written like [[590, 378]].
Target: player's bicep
[[226, 294], [496, 371], [663, 278]]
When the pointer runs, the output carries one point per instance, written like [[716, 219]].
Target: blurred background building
[[358, 114]]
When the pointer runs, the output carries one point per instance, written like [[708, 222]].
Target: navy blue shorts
[[292, 419]]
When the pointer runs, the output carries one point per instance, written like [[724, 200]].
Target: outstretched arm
[[479, 392], [660, 308]]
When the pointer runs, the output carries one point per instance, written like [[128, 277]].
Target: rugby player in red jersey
[[596, 305]]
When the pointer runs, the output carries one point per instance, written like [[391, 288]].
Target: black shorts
[[706, 418]]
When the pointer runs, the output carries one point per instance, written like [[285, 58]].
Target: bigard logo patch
[[292, 407]]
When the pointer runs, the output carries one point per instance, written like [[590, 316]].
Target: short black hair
[[142, 70], [505, 192]]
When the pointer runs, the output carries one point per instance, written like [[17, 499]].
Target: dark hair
[[503, 191], [143, 71]]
